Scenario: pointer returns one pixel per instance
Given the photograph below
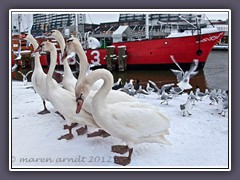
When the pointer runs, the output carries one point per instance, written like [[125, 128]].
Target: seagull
[[18, 53], [175, 91], [184, 77], [127, 86], [149, 89], [223, 107], [141, 91], [207, 91], [213, 96], [19, 57], [25, 77], [199, 94], [164, 88], [14, 67], [192, 97], [165, 97], [117, 84], [186, 107]]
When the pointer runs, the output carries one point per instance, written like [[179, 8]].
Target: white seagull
[[25, 77], [184, 77]]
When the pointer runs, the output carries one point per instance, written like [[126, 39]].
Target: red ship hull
[[156, 52]]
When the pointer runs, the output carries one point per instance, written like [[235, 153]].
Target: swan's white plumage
[[133, 122], [69, 81], [38, 77], [63, 100], [114, 96]]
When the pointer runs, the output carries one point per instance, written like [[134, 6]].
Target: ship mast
[[147, 26], [19, 24], [76, 23]]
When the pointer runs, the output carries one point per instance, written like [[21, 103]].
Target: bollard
[[110, 57], [122, 58]]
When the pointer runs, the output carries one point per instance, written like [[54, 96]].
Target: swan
[[133, 122], [73, 45], [38, 77], [63, 100], [25, 77], [69, 81]]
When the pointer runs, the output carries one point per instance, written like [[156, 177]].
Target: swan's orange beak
[[79, 105]]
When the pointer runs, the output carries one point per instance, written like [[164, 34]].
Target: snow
[[199, 140]]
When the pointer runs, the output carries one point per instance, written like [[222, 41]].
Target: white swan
[[38, 77], [73, 45], [133, 122], [69, 81], [63, 100]]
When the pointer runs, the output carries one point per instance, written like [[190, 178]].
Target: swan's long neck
[[37, 62], [62, 44], [53, 59], [98, 99], [83, 66]]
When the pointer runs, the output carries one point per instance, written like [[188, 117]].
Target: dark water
[[213, 75]]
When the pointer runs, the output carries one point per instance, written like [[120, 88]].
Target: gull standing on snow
[[186, 107], [199, 94], [193, 97]]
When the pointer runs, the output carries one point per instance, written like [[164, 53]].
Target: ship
[[185, 45]]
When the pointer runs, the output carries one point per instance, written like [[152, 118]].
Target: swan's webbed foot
[[45, 111], [122, 160], [70, 127], [60, 114], [82, 130], [120, 149], [100, 132], [66, 136], [69, 135]]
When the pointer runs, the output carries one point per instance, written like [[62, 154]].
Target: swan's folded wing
[[139, 118]]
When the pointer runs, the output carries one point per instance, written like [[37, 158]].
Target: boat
[[220, 47], [155, 53], [184, 44]]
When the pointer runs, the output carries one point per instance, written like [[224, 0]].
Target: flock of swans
[[90, 99]]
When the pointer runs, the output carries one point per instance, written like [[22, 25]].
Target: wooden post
[[122, 58], [110, 57]]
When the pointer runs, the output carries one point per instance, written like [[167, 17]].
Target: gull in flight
[[25, 77], [184, 77], [19, 57]]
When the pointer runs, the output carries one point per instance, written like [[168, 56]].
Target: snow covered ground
[[199, 140]]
